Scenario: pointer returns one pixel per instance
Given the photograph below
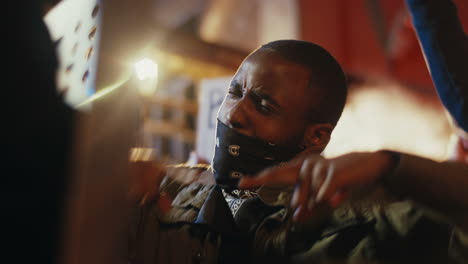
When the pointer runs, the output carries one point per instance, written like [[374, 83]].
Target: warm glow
[[386, 116], [146, 69]]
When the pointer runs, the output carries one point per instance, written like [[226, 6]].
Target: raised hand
[[325, 181], [146, 175]]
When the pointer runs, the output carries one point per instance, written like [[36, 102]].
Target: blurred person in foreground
[[445, 47], [37, 139], [284, 100]]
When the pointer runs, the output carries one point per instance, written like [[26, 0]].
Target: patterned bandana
[[235, 198], [237, 155]]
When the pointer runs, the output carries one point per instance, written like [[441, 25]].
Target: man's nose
[[238, 118]]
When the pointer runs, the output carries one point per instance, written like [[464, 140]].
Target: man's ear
[[317, 136]]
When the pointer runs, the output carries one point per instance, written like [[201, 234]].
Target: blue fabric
[[445, 46]]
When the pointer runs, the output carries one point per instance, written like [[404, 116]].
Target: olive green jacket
[[376, 231]]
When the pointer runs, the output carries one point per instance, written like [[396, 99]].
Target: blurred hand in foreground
[[320, 181], [146, 177]]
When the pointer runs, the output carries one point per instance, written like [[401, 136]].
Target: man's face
[[268, 99]]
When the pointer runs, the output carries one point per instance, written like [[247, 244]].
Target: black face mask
[[237, 155]]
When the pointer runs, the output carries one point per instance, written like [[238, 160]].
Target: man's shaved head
[[327, 80]]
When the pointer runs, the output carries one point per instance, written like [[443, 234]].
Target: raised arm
[[439, 186], [445, 46]]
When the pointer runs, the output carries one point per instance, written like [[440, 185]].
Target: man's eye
[[263, 106]]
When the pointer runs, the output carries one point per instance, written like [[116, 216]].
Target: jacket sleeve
[[278, 238], [458, 248], [402, 233], [445, 46], [439, 186], [143, 234]]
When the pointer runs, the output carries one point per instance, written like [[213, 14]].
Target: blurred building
[[393, 102], [192, 40]]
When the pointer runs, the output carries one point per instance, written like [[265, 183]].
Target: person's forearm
[[440, 186], [445, 46]]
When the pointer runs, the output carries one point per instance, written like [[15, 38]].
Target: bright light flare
[[102, 92], [146, 69]]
